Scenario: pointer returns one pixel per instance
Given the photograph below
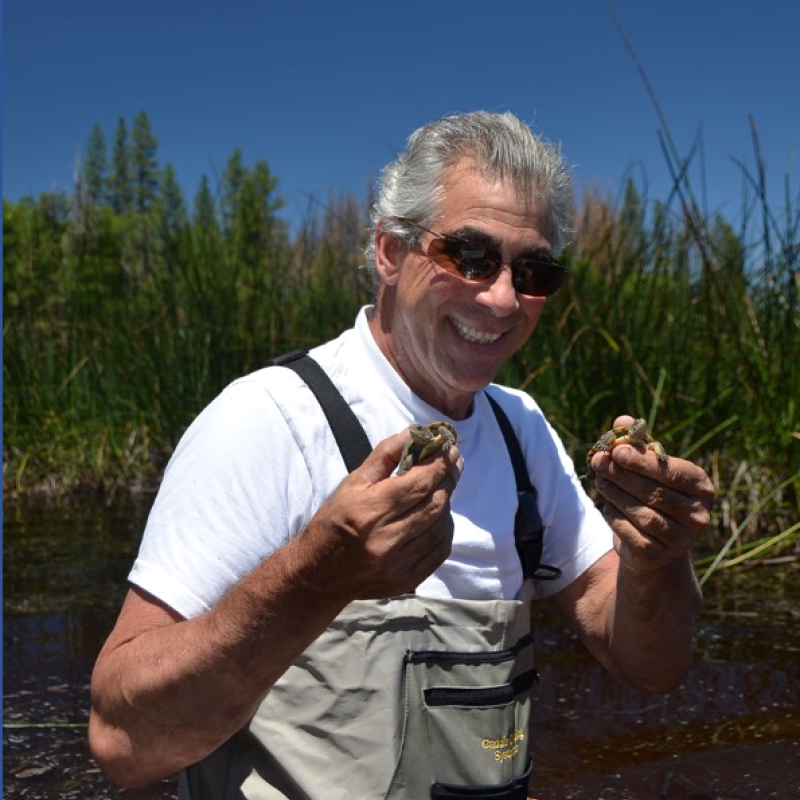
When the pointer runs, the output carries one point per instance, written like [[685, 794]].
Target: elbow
[[105, 745], [114, 753], [666, 677]]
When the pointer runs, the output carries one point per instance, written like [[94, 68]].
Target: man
[[295, 632]]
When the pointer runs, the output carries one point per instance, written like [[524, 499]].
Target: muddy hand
[[383, 537], [657, 508]]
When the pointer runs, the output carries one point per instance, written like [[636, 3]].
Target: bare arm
[[636, 607], [166, 691]]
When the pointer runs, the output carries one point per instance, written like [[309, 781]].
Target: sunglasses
[[537, 275]]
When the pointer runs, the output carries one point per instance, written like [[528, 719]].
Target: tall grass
[[119, 328], [751, 278], [690, 324], [107, 359]]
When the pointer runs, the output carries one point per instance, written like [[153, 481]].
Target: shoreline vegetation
[[127, 309]]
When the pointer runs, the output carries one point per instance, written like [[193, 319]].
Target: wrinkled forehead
[[527, 188], [473, 195]]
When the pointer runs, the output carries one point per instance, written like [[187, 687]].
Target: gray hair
[[503, 147]]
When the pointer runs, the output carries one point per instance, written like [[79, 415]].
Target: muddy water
[[731, 732]]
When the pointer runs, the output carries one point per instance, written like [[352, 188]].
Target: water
[[731, 732]]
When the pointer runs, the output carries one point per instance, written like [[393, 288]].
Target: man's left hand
[[657, 509]]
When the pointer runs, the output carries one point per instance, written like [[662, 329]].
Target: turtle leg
[[658, 449], [605, 443]]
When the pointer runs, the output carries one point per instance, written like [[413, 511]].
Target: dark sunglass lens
[[535, 277], [469, 261], [538, 278], [475, 266]]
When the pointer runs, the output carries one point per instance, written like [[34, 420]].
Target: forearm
[[165, 699], [650, 624], [166, 692], [657, 510]]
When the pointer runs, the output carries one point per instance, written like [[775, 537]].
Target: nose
[[498, 295]]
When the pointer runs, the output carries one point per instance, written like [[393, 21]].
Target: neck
[[454, 407]]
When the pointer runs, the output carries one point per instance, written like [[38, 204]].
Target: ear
[[390, 252]]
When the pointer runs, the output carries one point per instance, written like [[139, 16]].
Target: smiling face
[[446, 336]]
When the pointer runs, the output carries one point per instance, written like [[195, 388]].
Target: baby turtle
[[635, 435], [424, 441]]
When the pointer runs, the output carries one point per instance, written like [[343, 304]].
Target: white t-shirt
[[254, 466]]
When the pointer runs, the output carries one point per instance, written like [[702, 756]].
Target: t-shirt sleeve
[[576, 534], [235, 490]]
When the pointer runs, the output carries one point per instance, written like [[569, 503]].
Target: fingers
[[422, 516], [442, 470], [676, 488], [649, 531], [382, 461], [381, 534], [427, 552], [423, 490], [637, 549], [656, 508], [422, 526], [682, 476]]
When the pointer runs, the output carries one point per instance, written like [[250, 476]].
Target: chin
[[474, 382]]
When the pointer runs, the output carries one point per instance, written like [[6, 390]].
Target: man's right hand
[[168, 691], [380, 535]]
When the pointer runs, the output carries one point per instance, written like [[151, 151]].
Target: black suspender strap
[[528, 526], [347, 430], [514, 450], [355, 447]]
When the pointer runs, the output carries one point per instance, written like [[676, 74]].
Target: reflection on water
[[64, 570], [731, 731]]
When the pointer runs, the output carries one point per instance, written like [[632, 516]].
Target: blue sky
[[327, 92]]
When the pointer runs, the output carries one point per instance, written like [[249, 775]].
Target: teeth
[[472, 335]]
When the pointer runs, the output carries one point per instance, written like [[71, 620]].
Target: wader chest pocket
[[467, 721], [480, 697]]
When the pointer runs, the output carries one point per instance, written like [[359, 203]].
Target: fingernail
[[623, 455]]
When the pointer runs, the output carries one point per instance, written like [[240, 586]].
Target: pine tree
[[204, 216], [120, 189], [251, 203], [207, 250], [232, 183], [144, 163], [95, 166], [265, 184], [171, 215]]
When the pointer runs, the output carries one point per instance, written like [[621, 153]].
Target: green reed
[[120, 327], [695, 328], [116, 335]]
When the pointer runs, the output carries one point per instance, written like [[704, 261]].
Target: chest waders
[[405, 698]]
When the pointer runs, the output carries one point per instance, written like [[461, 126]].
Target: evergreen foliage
[[128, 309], [144, 163], [121, 186], [96, 165]]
